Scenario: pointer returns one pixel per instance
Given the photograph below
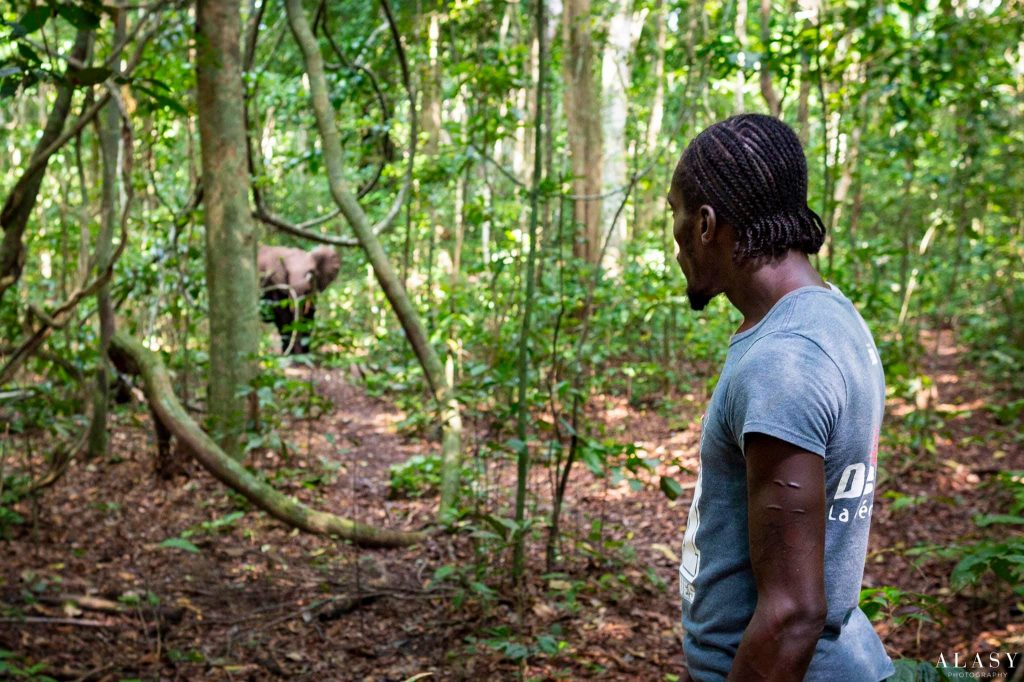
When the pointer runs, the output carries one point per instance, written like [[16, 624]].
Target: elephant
[[290, 279]]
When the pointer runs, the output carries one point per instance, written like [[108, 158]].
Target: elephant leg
[[284, 316]]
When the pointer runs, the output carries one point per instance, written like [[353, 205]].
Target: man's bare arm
[[786, 514]]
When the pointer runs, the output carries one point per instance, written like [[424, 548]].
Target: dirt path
[[259, 602]]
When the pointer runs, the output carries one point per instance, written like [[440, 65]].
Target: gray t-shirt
[[808, 374]]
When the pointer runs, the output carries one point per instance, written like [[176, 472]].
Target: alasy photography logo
[[981, 665]]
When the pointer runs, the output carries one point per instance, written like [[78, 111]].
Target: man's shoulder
[[817, 310], [791, 345], [824, 318], [790, 360]]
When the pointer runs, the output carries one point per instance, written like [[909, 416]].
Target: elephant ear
[[328, 263]]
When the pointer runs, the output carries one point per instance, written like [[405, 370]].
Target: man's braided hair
[[751, 169]]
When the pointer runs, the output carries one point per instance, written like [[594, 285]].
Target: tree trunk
[[811, 7], [432, 85], [111, 150], [230, 233], [803, 102], [653, 201], [22, 199], [583, 128], [767, 90], [740, 28], [658, 99], [386, 276], [133, 358], [849, 169], [623, 30]]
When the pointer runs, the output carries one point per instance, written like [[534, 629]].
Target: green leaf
[[28, 53], [8, 87], [78, 16], [168, 102], [670, 487], [442, 573], [516, 652], [91, 75], [481, 589], [989, 519], [592, 458], [32, 21], [547, 644], [179, 543]]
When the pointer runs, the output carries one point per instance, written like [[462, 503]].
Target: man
[[777, 533]]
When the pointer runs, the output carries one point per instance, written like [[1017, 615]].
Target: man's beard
[[698, 299]]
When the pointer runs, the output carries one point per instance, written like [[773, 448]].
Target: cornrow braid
[[751, 169]]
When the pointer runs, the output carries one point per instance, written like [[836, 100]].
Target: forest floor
[[257, 601]]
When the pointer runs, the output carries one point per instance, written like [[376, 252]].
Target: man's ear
[[708, 224]]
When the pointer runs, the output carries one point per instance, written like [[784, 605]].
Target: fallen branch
[[131, 357]]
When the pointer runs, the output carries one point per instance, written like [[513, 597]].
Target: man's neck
[[754, 292]]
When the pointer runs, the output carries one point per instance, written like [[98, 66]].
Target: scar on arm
[[778, 507], [782, 484]]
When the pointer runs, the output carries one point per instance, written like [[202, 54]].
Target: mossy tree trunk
[[231, 237]]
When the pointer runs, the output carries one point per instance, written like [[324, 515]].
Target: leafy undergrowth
[[114, 574]]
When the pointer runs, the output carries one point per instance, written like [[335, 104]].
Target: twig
[[40, 620], [86, 602], [60, 460], [340, 606], [95, 672], [263, 214]]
